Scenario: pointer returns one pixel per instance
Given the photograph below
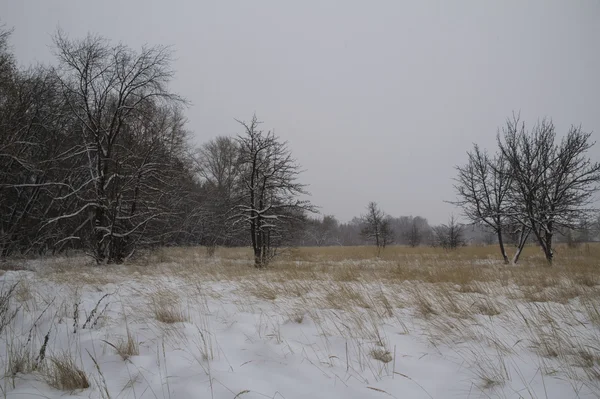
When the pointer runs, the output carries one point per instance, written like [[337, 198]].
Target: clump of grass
[[491, 369], [342, 296], [591, 308], [167, 309], [62, 373], [423, 305], [297, 317], [381, 354], [263, 291], [560, 294], [126, 347], [7, 313], [487, 307], [587, 279], [24, 292], [169, 314], [129, 347], [346, 273], [472, 287], [19, 360]]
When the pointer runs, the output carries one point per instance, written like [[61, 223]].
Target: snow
[[235, 345]]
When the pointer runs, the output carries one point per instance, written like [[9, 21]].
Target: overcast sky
[[378, 99]]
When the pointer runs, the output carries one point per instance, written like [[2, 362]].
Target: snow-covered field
[[183, 325]]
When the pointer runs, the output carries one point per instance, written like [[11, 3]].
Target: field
[[318, 323]]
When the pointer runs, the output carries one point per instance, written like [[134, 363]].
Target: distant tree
[[414, 235], [387, 233], [7, 60], [450, 235], [376, 227], [217, 163], [269, 189], [329, 230], [594, 227], [552, 183], [488, 237], [350, 233], [575, 237], [321, 232]]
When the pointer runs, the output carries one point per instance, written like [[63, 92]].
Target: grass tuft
[[381, 354], [62, 373], [168, 310]]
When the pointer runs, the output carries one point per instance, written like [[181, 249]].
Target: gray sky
[[378, 99]]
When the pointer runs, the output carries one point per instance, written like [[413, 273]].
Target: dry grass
[[12, 265], [166, 308], [126, 347], [466, 300], [381, 354], [62, 373], [263, 290], [19, 360], [8, 311], [24, 293]]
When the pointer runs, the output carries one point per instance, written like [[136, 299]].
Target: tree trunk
[[502, 249], [548, 252], [517, 255], [264, 248], [522, 240], [99, 247], [257, 257]]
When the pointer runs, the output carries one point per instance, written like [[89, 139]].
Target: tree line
[[95, 156], [375, 227]]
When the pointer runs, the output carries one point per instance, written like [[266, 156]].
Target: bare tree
[[7, 60], [34, 131], [322, 232], [483, 187], [108, 88], [552, 183], [449, 236], [269, 190], [218, 165], [376, 227], [94, 154], [414, 235], [387, 233]]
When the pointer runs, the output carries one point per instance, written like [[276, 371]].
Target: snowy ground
[[216, 328]]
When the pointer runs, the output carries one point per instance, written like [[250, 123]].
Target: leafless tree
[[34, 131], [483, 187], [109, 88], [450, 235], [413, 236], [552, 183], [387, 233], [269, 190], [7, 60], [415, 232], [94, 154], [376, 227], [218, 165], [322, 232]]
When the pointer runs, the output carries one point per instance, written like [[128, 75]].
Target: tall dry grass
[[465, 302]]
